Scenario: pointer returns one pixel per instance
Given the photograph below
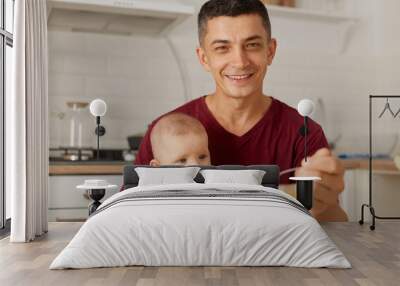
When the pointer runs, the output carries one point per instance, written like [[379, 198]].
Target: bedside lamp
[[304, 185], [98, 109], [305, 108], [96, 190]]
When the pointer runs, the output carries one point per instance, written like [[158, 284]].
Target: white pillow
[[248, 177], [163, 176]]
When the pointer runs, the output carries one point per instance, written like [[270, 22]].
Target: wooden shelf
[[123, 17]]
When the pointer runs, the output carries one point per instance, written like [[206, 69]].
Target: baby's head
[[179, 139]]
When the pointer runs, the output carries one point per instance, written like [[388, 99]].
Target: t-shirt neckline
[[265, 118]]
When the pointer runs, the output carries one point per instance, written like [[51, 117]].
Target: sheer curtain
[[27, 123]]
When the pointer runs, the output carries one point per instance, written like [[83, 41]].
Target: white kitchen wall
[[136, 76], [386, 56], [139, 77]]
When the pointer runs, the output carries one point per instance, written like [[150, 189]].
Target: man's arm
[[328, 167]]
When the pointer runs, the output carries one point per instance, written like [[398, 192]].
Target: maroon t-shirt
[[275, 139]]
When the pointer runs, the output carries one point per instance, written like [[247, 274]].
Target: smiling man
[[244, 126]]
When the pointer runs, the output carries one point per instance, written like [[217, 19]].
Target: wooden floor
[[375, 256]]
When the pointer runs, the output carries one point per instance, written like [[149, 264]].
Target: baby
[[179, 139]]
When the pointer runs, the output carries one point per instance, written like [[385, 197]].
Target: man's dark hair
[[231, 8]]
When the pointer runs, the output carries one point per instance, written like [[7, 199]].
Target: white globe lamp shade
[[305, 107], [98, 107]]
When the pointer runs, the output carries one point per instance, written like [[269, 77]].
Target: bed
[[201, 223]]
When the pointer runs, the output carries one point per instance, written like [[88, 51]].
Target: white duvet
[[183, 231]]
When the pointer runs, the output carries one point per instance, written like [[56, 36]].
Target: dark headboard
[[270, 179]]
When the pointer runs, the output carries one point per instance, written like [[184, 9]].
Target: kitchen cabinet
[[123, 17], [66, 203]]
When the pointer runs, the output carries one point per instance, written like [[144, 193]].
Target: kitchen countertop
[[116, 167], [379, 166], [87, 167], [87, 163]]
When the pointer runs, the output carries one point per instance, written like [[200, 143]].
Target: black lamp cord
[[303, 132], [305, 138], [98, 136]]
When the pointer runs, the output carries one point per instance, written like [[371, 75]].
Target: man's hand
[[326, 192]]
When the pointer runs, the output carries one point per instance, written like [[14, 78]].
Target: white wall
[[136, 76], [383, 52], [139, 77]]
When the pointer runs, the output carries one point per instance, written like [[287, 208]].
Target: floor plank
[[375, 257]]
